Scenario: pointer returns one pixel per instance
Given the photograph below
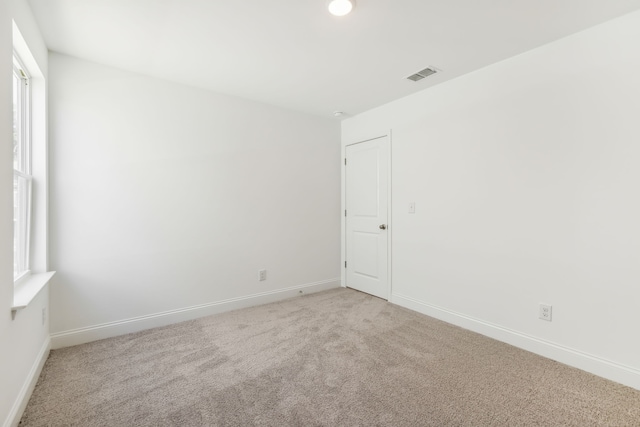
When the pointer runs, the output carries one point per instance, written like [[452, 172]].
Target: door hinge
[[345, 162], [345, 264], [345, 212]]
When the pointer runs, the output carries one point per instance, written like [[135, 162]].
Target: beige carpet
[[336, 358]]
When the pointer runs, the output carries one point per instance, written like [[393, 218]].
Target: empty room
[[319, 213]]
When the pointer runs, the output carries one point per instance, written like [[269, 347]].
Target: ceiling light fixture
[[341, 7]]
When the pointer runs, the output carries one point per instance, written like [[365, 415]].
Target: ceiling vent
[[422, 74]]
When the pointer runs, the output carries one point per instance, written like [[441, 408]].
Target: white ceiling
[[294, 54]]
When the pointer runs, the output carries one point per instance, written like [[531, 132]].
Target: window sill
[[27, 289]]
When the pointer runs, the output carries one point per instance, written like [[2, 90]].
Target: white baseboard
[[126, 326], [29, 384], [604, 368]]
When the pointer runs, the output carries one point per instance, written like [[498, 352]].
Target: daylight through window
[[22, 178]]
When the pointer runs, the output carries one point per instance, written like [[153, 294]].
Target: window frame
[[22, 172]]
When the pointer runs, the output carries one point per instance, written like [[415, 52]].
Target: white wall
[[526, 180], [24, 340], [165, 197]]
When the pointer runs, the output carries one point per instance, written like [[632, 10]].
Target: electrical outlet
[[44, 315], [545, 312], [412, 207], [262, 275]]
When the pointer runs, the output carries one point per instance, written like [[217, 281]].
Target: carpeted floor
[[335, 358]]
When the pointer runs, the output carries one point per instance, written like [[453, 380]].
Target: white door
[[366, 176]]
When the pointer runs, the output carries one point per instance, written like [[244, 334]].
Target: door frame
[[343, 228]]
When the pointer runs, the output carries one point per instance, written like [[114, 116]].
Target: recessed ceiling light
[[341, 7]]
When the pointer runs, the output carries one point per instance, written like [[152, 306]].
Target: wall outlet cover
[[545, 312]]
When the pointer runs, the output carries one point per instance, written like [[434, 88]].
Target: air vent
[[422, 74]]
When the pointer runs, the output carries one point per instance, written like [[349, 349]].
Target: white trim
[[596, 365], [343, 221], [28, 288], [21, 278], [389, 216], [126, 326], [29, 384]]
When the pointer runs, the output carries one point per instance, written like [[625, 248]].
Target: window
[[30, 261], [22, 178]]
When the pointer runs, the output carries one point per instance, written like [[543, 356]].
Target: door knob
[[383, 227]]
